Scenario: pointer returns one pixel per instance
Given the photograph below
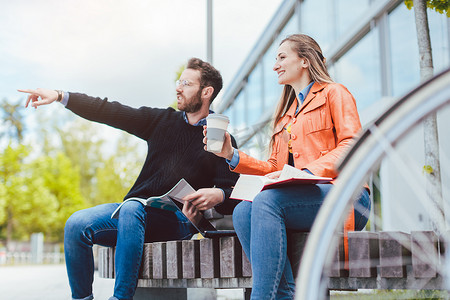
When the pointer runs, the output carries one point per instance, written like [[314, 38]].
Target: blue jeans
[[261, 227], [136, 224]]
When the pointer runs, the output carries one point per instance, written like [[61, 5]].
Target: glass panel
[[404, 50], [291, 27], [254, 90], [239, 112], [359, 71], [348, 13], [316, 21], [439, 40], [258, 145], [272, 89], [230, 114]]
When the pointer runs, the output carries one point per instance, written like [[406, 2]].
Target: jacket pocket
[[318, 117]]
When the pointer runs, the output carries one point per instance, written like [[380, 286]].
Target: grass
[[390, 294]]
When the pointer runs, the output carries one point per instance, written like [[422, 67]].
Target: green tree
[[13, 118], [36, 196], [12, 180], [82, 144], [34, 207], [2, 203], [441, 6], [431, 141], [61, 180], [119, 171], [103, 179], [66, 172]]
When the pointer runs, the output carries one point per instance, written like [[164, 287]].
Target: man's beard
[[193, 104]]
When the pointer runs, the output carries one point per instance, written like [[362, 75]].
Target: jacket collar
[[317, 87]]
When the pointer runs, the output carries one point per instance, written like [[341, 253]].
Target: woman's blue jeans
[[136, 224], [261, 227]]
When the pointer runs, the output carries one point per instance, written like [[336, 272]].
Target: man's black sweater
[[175, 148]]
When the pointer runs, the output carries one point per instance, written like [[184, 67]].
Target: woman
[[314, 124]]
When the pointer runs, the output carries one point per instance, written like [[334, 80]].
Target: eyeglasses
[[183, 83]]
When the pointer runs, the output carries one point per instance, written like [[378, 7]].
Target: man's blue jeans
[[261, 227], [136, 224]]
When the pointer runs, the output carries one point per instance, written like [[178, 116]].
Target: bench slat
[[174, 260], [110, 262], [336, 263], [146, 270], [246, 266], [363, 254], [209, 258], [159, 259], [395, 253], [191, 258], [425, 257], [230, 263]]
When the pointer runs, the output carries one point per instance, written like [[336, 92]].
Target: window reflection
[[258, 145], [404, 50], [318, 25], [291, 27], [230, 114], [240, 120], [359, 70], [272, 89], [439, 40], [347, 13], [254, 91]]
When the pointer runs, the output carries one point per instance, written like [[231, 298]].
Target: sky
[[128, 51]]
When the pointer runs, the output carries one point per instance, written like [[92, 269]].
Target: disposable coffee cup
[[216, 127]]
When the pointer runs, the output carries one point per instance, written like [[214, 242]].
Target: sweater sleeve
[[137, 121]]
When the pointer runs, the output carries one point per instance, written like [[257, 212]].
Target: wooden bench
[[382, 260]]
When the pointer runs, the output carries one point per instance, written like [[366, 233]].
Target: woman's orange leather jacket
[[321, 133]]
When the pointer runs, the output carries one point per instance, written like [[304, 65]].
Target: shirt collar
[[303, 93], [201, 122]]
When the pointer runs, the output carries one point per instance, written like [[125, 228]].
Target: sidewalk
[[49, 282], [37, 282]]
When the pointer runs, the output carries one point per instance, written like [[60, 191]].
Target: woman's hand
[[227, 148], [274, 175]]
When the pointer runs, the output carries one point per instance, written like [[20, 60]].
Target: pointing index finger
[[29, 91]]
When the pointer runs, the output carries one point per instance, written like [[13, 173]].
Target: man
[[175, 151]]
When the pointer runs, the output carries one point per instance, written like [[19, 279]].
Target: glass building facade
[[370, 47]]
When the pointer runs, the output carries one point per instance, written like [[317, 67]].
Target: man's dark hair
[[209, 76]]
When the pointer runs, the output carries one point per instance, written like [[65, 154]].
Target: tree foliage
[[12, 116], [118, 172], [65, 170], [441, 6], [36, 195]]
